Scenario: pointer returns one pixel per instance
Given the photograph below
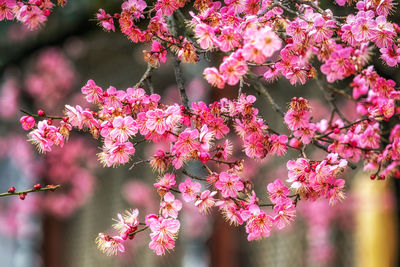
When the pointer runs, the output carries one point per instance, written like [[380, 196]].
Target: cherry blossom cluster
[[32, 13], [271, 38], [128, 117], [251, 33]]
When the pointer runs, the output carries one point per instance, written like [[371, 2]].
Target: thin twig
[[331, 100], [52, 188], [241, 84], [138, 231], [225, 162], [149, 85], [262, 90], [174, 190], [193, 176], [340, 92], [146, 75], [274, 4], [37, 116], [138, 162]]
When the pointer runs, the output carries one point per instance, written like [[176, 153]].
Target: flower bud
[[204, 157], [37, 186], [41, 113], [295, 143]]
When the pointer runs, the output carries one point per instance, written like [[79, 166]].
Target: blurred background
[[45, 69]]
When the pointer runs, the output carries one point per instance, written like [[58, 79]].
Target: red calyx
[[314, 165], [22, 196], [372, 176], [289, 40]]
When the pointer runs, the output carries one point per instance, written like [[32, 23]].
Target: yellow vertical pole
[[375, 223]]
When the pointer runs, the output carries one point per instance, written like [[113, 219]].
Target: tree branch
[[331, 100], [37, 116], [180, 82], [146, 76], [259, 87], [51, 188]]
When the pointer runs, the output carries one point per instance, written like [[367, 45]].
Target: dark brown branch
[[146, 76], [331, 100], [180, 82], [340, 92], [193, 176], [241, 84], [259, 87]]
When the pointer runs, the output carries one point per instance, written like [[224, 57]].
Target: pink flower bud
[[28, 122], [46, 12], [295, 143], [41, 113], [204, 157]]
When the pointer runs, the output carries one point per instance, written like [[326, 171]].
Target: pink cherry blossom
[[259, 224], [163, 234], [123, 128], [189, 190], [94, 94], [277, 190], [110, 245], [6, 7], [127, 223], [205, 201], [27, 122], [106, 21], [170, 206], [166, 182], [213, 76], [229, 184]]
